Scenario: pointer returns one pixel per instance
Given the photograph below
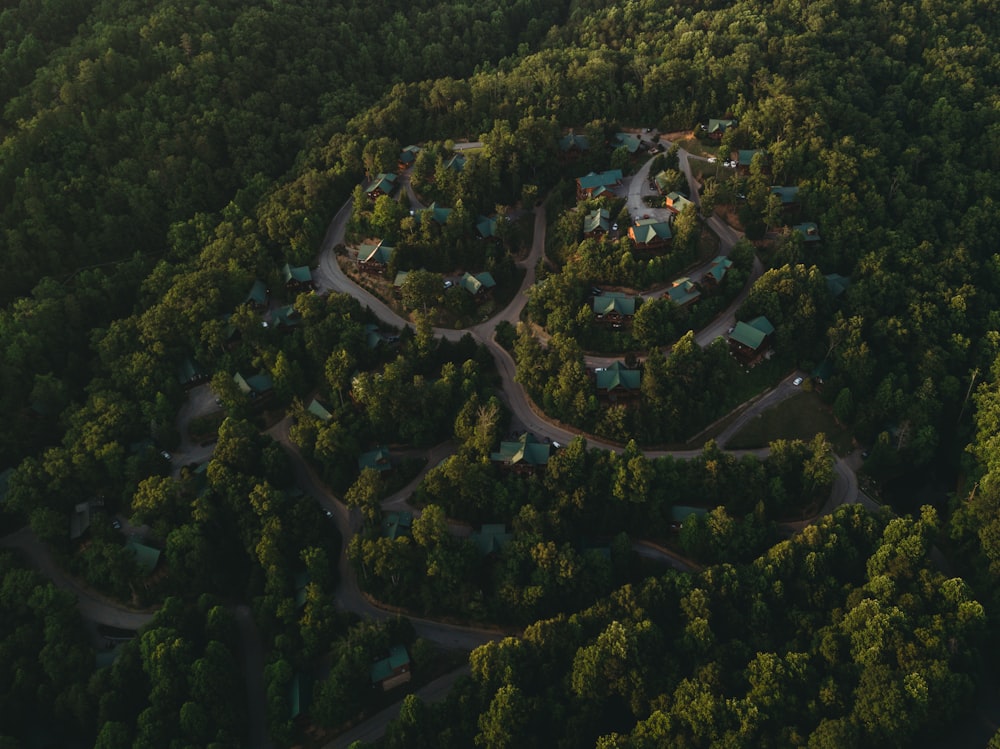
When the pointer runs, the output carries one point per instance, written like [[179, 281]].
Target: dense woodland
[[156, 159]]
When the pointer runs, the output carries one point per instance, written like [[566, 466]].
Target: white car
[[712, 159], [797, 381]]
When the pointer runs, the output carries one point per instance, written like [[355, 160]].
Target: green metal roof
[[187, 371], [762, 324], [146, 556], [491, 538], [631, 141], [318, 410], [258, 293], [683, 291], [650, 230], [611, 301], [677, 202], [400, 277], [680, 513], [299, 274], [525, 450], [456, 163], [409, 154], [788, 195], [286, 316], [571, 140], [487, 227], [745, 155], [258, 383], [383, 669], [597, 220], [618, 377], [720, 126], [375, 253], [437, 214], [594, 180], [377, 459], [385, 181], [396, 524], [720, 264], [476, 283], [808, 230], [837, 284]]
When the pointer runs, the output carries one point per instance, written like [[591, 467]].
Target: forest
[[157, 159]]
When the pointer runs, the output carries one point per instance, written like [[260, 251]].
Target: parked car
[[165, 455], [797, 381], [116, 524]]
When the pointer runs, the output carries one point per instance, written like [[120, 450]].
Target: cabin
[[392, 670], [480, 285], [491, 538], [375, 258], [683, 292], [524, 455], [257, 387], [597, 184], [377, 459], [396, 524], [617, 382], [189, 375], [744, 158], [630, 141], [298, 278], [285, 318], [716, 272], [613, 308], [383, 184], [456, 163], [808, 230], [717, 127], [597, 223], [486, 228], [317, 409], [789, 196], [257, 296], [650, 234], [407, 156], [571, 146], [676, 203], [836, 284], [749, 341], [434, 213]]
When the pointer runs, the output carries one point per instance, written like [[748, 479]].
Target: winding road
[[330, 278]]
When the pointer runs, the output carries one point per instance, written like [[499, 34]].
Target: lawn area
[[800, 417]]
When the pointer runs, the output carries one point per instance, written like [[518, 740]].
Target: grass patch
[[702, 169], [800, 417]]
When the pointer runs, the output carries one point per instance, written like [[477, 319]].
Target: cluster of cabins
[[616, 309]]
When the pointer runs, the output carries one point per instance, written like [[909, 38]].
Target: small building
[[297, 278], [597, 223], [258, 295], [456, 163], [650, 234], [396, 524], [79, 521], [146, 556], [744, 158], [718, 127], [189, 375], [572, 145], [256, 386], [320, 411], [613, 308], [375, 258], [748, 341], [630, 141], [596, 184], [789, 196], [377, 459], [398, 281], [383, 184], [836, 284], [491, 538], [808, 230], [407, 156], [680, 513], [683, 292], [716, 271], [676, 202], [617, 382], [480, 285], [524, 455], [286, 317], [486, 227], [392, 670], [664, 181], [434, 213]]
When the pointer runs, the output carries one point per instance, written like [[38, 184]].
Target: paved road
[[200, 402], [374, 728]]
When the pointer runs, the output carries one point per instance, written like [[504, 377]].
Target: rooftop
[[526, 450], [618, 377]]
